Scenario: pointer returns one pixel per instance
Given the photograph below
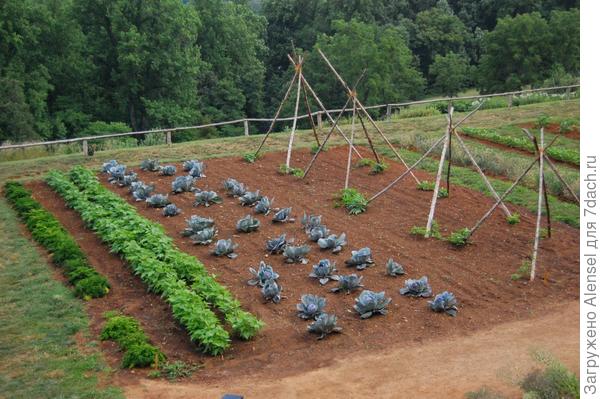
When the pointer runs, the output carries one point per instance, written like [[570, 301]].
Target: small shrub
[[422, 230], [554, 381], [142, 355], [378, 168], [352, 200], [285, 170], [514, 218], [542, 121], [523, 271], [315, 148], [460, 238], [250, 157], [94, 286]]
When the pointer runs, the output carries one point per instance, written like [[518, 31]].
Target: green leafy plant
[[542, 121], [553, 380], [523, 271], [174, 370], [250, 157], [566, 125], [376, 167], [514, 218], [285, 170], [425, 185], [352, 200], [314, 148], [460, 238], [422, 230]]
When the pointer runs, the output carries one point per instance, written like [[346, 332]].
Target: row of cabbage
[[48, 231], [180, 278]]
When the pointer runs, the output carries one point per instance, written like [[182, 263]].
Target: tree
[[391, 72], [16, 120], [449, 73], [147, 58], [564, 27], [438, 32], [514, 53]]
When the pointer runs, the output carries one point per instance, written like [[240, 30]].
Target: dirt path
[[446, 368]]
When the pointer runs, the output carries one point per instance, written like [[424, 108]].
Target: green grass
[[39, 356]]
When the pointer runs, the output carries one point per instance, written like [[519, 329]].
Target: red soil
[[555, 129], [479, 274]]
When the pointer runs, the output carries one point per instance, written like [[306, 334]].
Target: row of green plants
[[180, 278], [128, 334], [48, 231], [522, 143]]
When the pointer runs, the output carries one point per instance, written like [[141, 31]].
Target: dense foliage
[[48, 231], [183, 281], [89, 67]]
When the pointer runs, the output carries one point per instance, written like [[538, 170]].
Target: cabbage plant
[[249, 198], [183, 184], [107, 165], [195, 224], [393, 268], [263, 206], [117, 174], [276, 245], [247, 224], [310, 221], [129, 179], [318, 232], [348, 283], [207, 198], [262, 275], [234, 188], [204, 236], [171, 210], [141, 191], [417, 288], [167, 170], [310, 306], [324, 324], [271, 291], [283, 215], [296, 254], [225, 248], [197, 170], [188, 165], [444, 302], [150, 165], [324, 271], [361, 259], [369, 303], [333, 242], [158, 200]]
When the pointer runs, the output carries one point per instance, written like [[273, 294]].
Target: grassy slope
[[39, 356]]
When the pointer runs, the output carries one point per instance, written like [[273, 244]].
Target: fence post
[[84, 144], [568, 93], [510, 100], [168, 138], [388, 112], [320, 120], [246, 128]]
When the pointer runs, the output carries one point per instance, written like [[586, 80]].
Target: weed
[[250, 157], [523, 271], [553, 381], [484, 393], [514, 218], [174, 370], [422, 231], [352, 200], [285, 170], [460, 238], [314, 148], [425, 185]]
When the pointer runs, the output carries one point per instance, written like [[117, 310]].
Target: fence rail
[[389, 107]]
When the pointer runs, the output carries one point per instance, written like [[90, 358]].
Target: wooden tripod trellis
[[541, 159], [302, 85], [357, 108], [446, 153]]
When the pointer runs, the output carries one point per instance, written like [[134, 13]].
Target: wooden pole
[[329, 117], [84, 145], [499, 200], [368, 137], [349, 165], [168, 138], [360, 105], [560, 178], [388, 112], [438, 178], [406, 172], [450, 108], [483, 176], [246, 128], [536, 242], [320, 121], [333, 126], [285, 97], [295, 121], [310, 117]]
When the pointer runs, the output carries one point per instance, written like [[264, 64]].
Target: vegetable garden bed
[[478, 275]]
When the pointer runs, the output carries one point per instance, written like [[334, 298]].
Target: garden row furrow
[[105, 218], [48, 231]]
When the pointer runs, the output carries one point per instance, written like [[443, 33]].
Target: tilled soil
[[479, 274]]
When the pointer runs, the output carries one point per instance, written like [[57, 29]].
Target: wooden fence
[[246, 121]]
